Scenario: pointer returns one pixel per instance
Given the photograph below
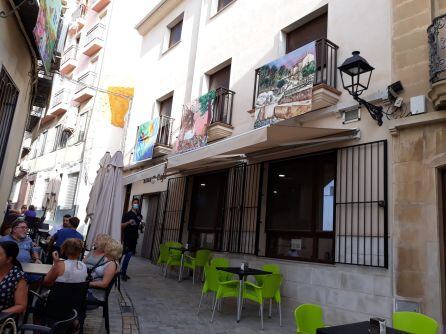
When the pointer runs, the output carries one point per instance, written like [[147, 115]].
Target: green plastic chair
[[174, 258], [257, 294], [275, 269], [222, 262], [211, 284], [199, 261], [224, 289], [163, 256], [414, 323], [309, 318]]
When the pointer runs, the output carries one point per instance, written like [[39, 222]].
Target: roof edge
[[159, 12]]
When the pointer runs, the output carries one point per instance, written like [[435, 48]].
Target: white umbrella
[[97, 186], [106, 218]]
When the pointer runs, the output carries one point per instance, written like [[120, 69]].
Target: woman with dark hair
[[13, 287]]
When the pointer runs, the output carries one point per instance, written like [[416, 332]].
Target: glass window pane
[[207, 201], [290, 246], [175, 33], [325, 249]]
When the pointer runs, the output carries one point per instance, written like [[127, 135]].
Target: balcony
[[78, 19], [437, 62], [84, 88], [99, 5], [325, 93], [221, 115], [33, 118], [69, 60], [60, 103], [94, 40], [163, 144]]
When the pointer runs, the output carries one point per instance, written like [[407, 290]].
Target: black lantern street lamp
[[355, 75]]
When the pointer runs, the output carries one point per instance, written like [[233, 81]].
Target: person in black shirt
[[130, 227]]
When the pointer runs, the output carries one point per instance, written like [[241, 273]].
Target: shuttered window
[[220, 78], [311, 31], [8, 101], [70, 191]]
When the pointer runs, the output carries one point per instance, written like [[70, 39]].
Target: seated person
[[68, 231], [5, 229], [97, 255], [70, 270], [31, 212], [28, 253], [104, 273], [13, 287], [57, 227]]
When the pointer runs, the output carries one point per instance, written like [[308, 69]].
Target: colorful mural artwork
[[145, 140], [45, 30], [119, 105], [195, 123], [285, 86]]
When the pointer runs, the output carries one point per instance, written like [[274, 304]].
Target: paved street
[[166, 306]]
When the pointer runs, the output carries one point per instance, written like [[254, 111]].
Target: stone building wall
[[418, 148]]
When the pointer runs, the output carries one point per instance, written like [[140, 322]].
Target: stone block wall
[[419, 153], [347, 293]]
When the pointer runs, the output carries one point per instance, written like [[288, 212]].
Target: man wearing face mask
[[130, 227]]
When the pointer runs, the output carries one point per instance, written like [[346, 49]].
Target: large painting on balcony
[[145, 140], [285, 86], [195, 123], [45, 30]]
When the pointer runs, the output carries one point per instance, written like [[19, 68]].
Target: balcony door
[[219, 81], [306, 33], [165, 121]]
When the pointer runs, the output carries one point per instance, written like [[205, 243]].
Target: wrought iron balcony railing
[[437, 49], [33, 118], [165, 131], [98, 31], [70, 53], [326, 63], [222, 112], [61, 96], [88, 79]]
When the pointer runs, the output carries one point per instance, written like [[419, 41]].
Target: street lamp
[[355, 75]]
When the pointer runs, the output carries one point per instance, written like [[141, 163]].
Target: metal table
[[355, 328], [242, 274], [182, 250], [36, 268]]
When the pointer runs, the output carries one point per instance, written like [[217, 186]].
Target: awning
[[145, 174], [267, 137]]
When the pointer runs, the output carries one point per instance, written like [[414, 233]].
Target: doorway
[[151, 202]]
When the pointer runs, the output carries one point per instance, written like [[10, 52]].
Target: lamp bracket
[[376, 112]]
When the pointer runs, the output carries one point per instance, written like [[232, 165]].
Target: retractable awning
[[267, 137], [144, 174]]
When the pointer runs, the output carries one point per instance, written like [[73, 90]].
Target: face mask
[[135, 206]]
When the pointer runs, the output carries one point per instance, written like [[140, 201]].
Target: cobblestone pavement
[[167, 306]]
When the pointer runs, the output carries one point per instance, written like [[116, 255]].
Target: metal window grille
[[174, 210], [241, 212], [8, 100], [157, 230], [361, 205]]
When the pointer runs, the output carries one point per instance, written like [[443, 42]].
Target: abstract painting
[[145, 140]]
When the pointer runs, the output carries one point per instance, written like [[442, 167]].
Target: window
[[300, 208], [42, 142], [222, 4], [8, 101], [81, 126], [57, 138], [70, 191], [206, 211], [62, 137], [220, 78], [306, 33], [166, 106], [175, 33]]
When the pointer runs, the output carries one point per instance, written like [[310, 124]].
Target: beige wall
[[418, 148], [16, 58]]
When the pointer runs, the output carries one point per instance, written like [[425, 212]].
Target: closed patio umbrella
[[107, 212], [50, 199]]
